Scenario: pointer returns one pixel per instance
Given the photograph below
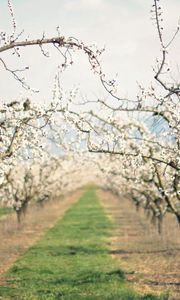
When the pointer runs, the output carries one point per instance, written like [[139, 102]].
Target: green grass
[[5, 211], [71, 261]]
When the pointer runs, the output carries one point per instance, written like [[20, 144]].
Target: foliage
[[130, 146]]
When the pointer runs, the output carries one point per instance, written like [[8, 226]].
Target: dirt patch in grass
[[16, 239], [151, 261]]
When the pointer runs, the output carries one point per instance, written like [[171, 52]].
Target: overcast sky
[[124, 27]]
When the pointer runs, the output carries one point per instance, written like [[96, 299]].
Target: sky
[[125, 29]]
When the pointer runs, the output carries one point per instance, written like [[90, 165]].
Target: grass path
[[5, 211], [71, 261]]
